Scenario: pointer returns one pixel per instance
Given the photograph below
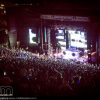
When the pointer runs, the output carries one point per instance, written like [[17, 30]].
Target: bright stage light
[[70, 55], [62, 43], [60, 37], [60, 31], [71, 31], [63, 48]]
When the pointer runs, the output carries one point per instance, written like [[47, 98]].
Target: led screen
[[72, 42], [32, 37], [60, 39], [77, 39]]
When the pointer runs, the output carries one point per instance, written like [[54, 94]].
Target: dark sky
[[48, 1], [85, 7], [87, 3]]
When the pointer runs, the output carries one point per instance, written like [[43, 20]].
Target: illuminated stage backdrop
[[73, 42]]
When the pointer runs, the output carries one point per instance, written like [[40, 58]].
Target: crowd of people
[[32, 74]]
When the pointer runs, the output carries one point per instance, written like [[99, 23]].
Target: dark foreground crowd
[[30, 75]]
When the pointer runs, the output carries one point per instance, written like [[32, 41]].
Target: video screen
[[32, 37], [73, 43], [77, 39], [61, 39]]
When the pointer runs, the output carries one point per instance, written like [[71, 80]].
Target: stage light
[[62, 43], [2, 5], [60, 31], [70, 55], [60, 37]]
